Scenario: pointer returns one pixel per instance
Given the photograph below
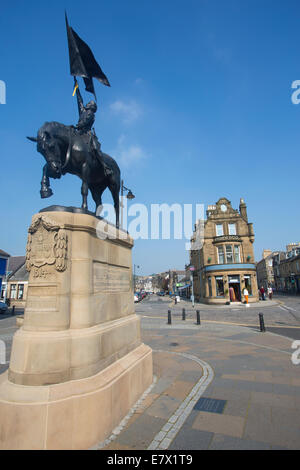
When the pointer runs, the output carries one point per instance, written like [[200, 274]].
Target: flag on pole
[[82, 61]]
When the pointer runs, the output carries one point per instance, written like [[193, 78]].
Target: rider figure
[[85, 124]]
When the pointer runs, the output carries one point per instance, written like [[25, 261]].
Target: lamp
[[129, 196]]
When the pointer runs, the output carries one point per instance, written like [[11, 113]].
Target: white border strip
[[164, 438]]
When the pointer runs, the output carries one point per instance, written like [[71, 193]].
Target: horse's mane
[[53, 127]]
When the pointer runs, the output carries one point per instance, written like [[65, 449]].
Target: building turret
[[243, 210]]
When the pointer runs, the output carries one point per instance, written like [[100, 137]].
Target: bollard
[[198, 317], [261, 323], [169, 317], [13, 310], [183, 314]]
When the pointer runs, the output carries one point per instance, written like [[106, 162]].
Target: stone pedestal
[[77, 362]]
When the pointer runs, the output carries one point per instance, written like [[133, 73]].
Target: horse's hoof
[[46, 193]]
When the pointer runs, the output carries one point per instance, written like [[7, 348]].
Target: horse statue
[[67, 151]]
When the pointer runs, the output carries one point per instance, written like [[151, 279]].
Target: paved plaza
[[218, 385], [222, 384]]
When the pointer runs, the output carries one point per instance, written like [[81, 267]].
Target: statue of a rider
[[85, 126]]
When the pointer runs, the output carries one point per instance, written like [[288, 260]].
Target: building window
[[219, 230], [3, 288], [219, 286], [237, 257], [13, 291], [221, 259], [231, 229], [248, 284], [209, 287], [20, 291], [229, 254]]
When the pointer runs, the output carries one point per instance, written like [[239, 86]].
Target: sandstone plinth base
[[75, 414], [77, 363]]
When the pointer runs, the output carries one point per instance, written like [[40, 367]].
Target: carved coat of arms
[[47, 244]]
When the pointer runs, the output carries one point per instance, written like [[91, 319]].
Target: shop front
[[223, 283]]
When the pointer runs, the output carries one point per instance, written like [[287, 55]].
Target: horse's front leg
[[45, 191], [84, 186]]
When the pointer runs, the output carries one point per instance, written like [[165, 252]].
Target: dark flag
[[82, 61]]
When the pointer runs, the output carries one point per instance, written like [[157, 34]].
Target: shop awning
[[184, 287]]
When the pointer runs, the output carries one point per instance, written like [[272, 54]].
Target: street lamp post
[[129, 195], [192, 269], [134, 266]]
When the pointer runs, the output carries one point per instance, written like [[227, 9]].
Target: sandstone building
[[265, 268], [222, 255]]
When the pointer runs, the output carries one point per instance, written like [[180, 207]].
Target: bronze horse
[[67, 151]]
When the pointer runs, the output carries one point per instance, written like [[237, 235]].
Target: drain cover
[[174, 344], [211, 405]]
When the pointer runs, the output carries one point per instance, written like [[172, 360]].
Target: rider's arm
[[79, 100]]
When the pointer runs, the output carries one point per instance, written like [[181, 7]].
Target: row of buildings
[[222, 263], [280, 269], [221, 259]]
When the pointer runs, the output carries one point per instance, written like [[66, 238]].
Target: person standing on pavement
[[246, 295], [270, 292], [262, 293]]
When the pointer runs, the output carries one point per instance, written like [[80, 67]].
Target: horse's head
[[48, 146]]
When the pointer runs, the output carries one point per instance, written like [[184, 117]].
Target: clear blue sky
[[199, 108]]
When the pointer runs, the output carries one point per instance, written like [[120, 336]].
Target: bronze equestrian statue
[[75, 150]]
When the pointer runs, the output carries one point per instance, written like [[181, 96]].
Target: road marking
[[289, 308], [166, 435]]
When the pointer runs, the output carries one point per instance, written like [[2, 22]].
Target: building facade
[[4, 257], [287, 271], [14, 289], [223, 255], [265, 268]]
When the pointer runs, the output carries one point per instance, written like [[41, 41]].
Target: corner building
[[224, 261]]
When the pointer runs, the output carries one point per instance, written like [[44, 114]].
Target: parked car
[[3, 307], [137, 295]]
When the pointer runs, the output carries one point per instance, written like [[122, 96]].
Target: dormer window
[[232, 229], [219, 230]]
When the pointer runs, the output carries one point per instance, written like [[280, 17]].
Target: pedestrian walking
[[270, 292], [246, 295], [262, 293]]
